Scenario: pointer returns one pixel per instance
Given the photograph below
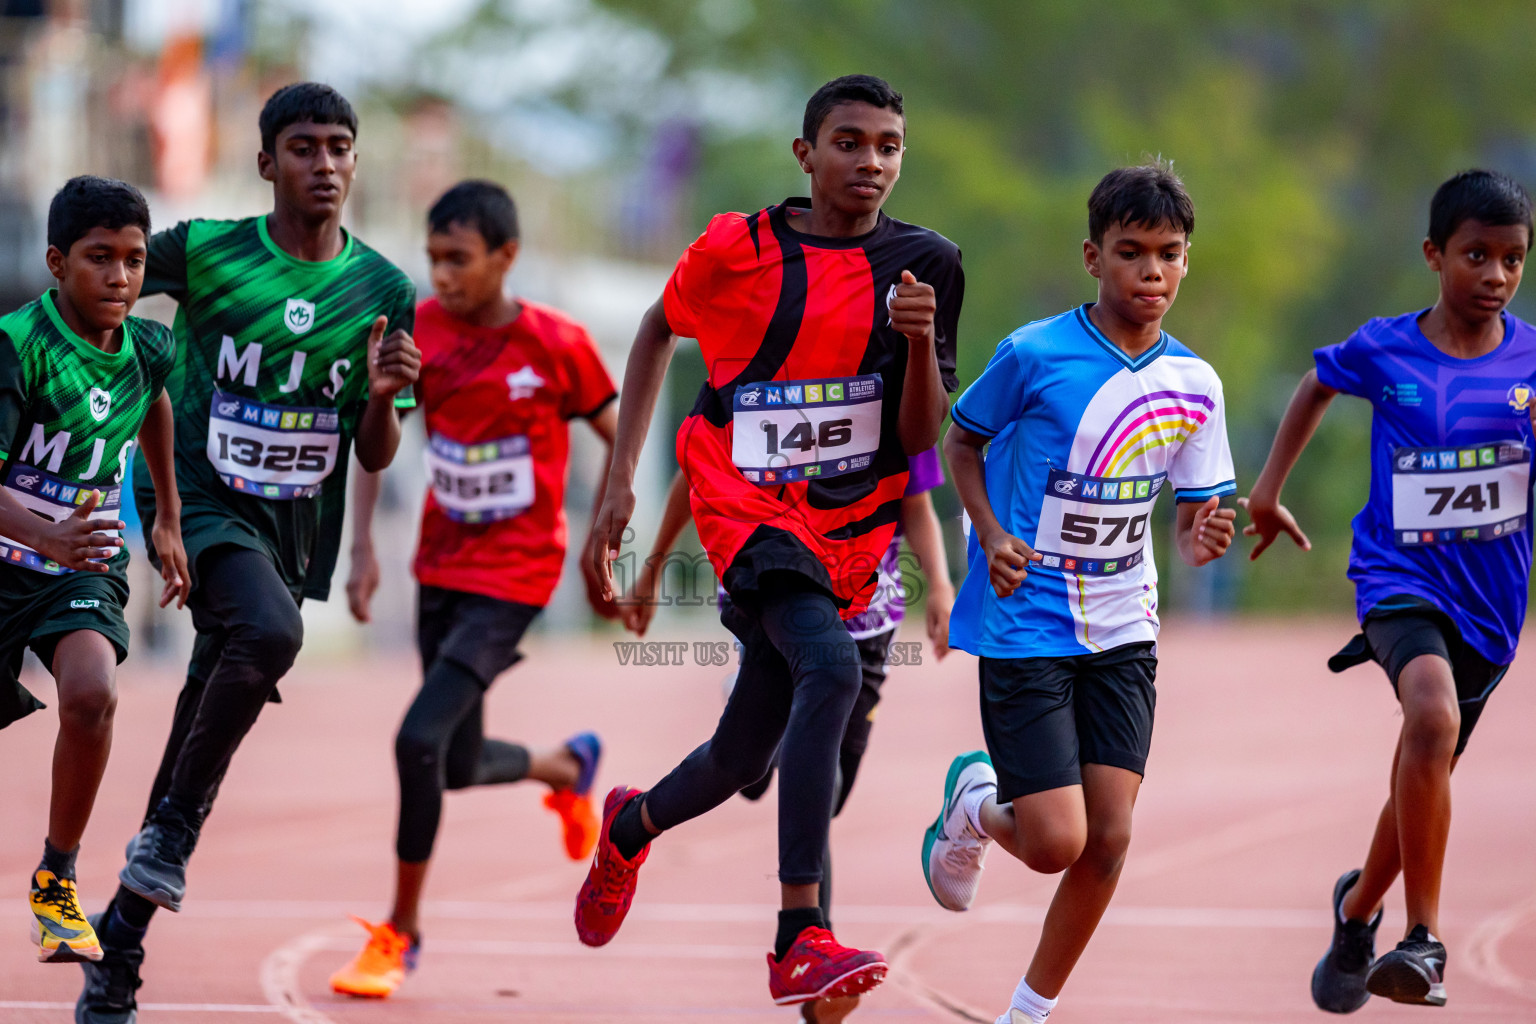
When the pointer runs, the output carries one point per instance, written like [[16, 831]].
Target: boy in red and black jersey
[[501, 378], [828, 331]]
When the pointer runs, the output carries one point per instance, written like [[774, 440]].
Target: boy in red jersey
[[828, 331], [501, 377]]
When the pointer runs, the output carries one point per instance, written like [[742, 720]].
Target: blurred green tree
[[1311, 134]]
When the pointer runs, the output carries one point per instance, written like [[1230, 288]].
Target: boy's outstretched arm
[[605, 425], [1268, 517], [1008, 557], [643, 374], [924, 402], [921, 526], [640, 607], [157, 434]]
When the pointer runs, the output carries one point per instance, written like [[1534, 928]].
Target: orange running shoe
[[577, 819], [379, 969]]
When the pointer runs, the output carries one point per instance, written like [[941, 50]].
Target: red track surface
[[1266, 775]]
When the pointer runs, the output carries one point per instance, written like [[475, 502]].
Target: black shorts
[[474, 631], [38, 616], [1403, 627], [1044, 717]]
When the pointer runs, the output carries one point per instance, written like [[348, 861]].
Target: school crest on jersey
[[100, 403], [523, 383], [299, 316], [1520, 397]]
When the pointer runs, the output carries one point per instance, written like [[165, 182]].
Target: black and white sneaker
[[111, 984], [1338, 981], [1414, 972], [158, 855]]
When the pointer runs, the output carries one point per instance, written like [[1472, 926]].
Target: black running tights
[[799, 678]]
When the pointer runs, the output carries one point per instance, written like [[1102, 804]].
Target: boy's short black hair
[[1487, 196], [1148, 194], [88, 202], [877, 92], [482, 205], [303, 101]]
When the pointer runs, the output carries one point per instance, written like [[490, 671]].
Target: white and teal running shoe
[[953, 851]]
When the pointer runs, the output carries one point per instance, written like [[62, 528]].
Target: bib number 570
[[280, 458], [1079, 529]]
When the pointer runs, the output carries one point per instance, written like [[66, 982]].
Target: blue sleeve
[[1343, 367], [997, 398]]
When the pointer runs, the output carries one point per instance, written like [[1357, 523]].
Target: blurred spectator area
[[166, 93]]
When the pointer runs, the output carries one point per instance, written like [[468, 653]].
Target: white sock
[[1030, 1003], [971, 801]]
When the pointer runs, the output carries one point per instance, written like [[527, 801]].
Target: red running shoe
[[817, 967], [605, 896]]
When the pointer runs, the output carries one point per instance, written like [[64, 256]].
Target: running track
[[1266, 774]]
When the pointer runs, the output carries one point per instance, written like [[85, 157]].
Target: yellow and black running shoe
[[59, 928]]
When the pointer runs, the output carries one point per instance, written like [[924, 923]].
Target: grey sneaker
[[158, 855], [1338, 981], [110, 985]]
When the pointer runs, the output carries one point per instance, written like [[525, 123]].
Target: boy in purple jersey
[[1441, 557], [872, 630]]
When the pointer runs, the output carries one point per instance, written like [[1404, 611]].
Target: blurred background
[[1311, 135]]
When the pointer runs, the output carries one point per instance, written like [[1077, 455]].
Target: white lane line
[[280, 977], [756, 913], [1483, 958], [1270, 827], [280, 969], [152, 1007], [508, 947]]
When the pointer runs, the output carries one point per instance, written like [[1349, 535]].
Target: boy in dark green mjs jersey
[[80, 382], [282, 367]]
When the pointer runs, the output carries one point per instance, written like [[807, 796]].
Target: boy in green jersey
[[80, 382], [283, 367]]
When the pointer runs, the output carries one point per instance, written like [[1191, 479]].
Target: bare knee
[[1049, 850], [87, 704], [1431, 728], [1104, 852]]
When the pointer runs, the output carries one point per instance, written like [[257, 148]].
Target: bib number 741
[[1469, 499]]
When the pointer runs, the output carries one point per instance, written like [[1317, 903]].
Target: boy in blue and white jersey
[[1441, 557], [1090, 415]]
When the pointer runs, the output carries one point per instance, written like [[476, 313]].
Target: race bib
[[1452, 495], [481, 483], [1095, 526], [806, 429], [55, 500], [272, 451]]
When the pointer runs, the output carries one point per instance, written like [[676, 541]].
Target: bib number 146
[[828, 434]]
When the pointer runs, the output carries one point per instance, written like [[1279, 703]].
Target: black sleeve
[[948, 280], [165, 272], [13, 396]]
